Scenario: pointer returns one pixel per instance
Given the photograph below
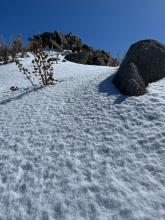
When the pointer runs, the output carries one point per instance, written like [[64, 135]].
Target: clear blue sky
[[108, 24]]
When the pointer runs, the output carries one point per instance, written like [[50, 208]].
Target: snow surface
[[79, 150]]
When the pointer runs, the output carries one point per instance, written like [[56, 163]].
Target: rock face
[[144, 63], [82, 53], [58, 37], [99, 57], [80, 57], [102, 58], [92, 57], [74, 42]]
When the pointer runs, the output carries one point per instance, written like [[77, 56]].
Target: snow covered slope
[[79, 150]]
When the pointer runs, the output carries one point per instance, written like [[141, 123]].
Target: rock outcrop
[[81, 53], [93, 57]]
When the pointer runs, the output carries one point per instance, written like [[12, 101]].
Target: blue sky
[[108, 24]]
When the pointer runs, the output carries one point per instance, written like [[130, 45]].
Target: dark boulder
[[92, 57], [130, 81], [86, 48], [74, 42], [102, 58], [80, 57], [61, 39], [144, 63], [99, 57]]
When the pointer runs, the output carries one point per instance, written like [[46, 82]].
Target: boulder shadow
[[107, 86]]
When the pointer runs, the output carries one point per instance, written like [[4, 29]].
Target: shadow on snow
[[20, 95], [107, 86]]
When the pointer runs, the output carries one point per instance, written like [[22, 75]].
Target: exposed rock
[[62, 39], [99, 57], [74, 42], [80, 57], [130, 81], [144, 63], [66, 52], [53, 59], [86, 48], [92, 58], [13, 88], [46, 38]]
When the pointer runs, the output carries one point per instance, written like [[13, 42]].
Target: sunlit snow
[[79, 150]]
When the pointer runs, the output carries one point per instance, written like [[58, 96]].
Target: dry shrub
[[42, 69], [4, 53], [16, 47], [35, 45], [4, 50]]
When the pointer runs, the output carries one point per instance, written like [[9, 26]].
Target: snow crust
[[80, 150]]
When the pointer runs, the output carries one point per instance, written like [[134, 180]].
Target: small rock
[[13, 88]]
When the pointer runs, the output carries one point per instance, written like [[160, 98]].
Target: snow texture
[[79, 150]]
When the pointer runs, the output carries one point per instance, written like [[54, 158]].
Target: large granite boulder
[[144, 63]]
